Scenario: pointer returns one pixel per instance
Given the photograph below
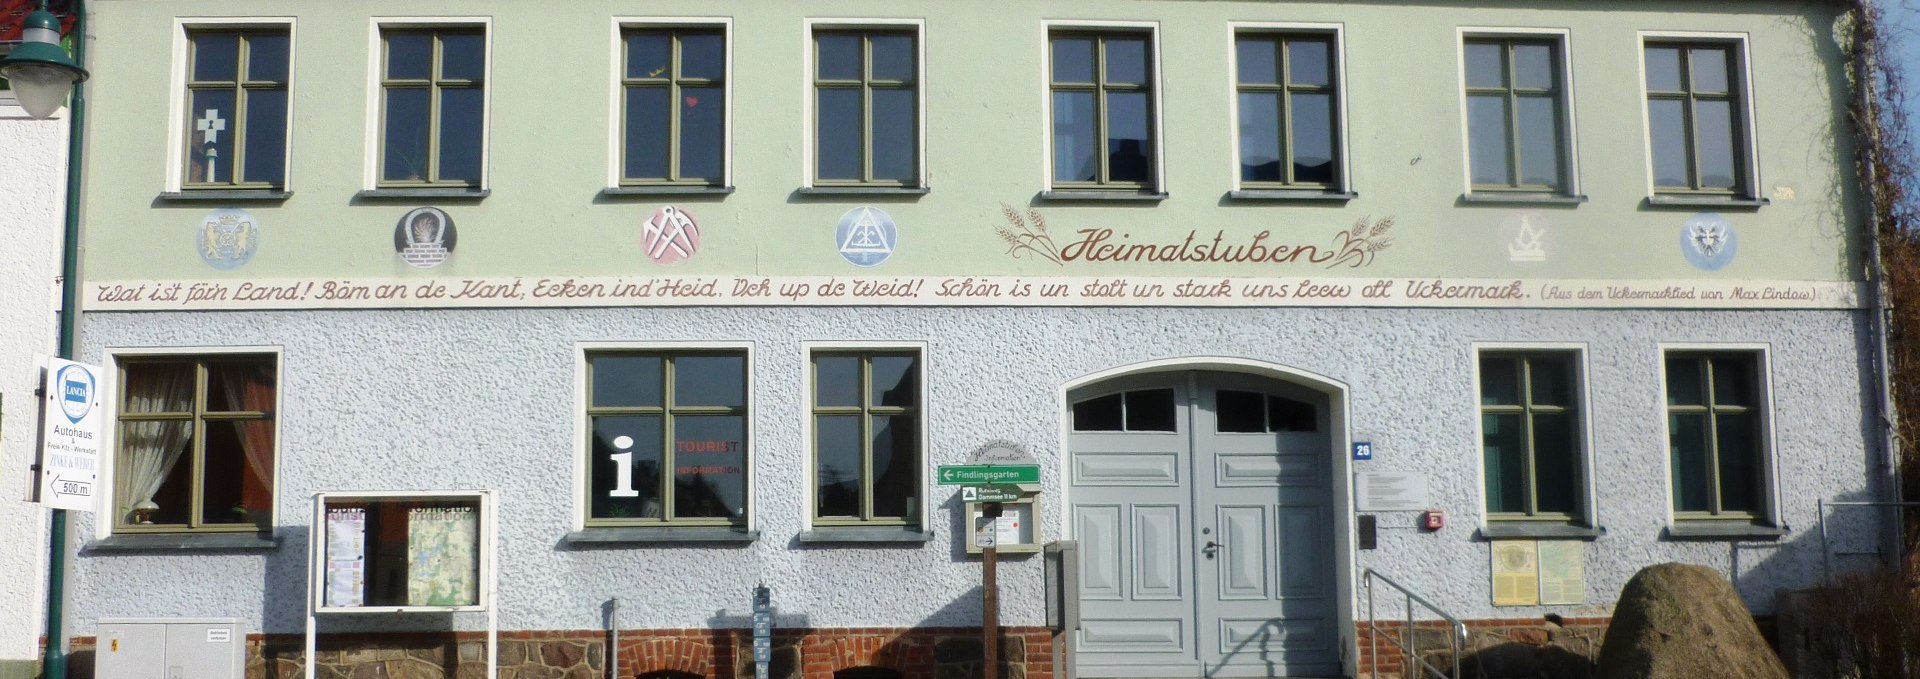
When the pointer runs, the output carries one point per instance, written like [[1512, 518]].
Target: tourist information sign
[[990, 494]]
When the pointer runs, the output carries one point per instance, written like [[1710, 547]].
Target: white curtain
[[152, 447]]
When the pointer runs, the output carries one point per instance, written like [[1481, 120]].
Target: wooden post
[[990, 595]]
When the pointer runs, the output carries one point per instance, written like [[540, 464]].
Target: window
[[669, 438], [674, 94], [1516, 101], [866, 108], [1289, 114], [1696, 118], [866, 438], [196, 444], [1531, 435], [433, 107], [1714, 427], [1139, 410], [1103, 117], [237, 113]]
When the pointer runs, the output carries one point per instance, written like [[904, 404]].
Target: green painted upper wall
[[549, 144]]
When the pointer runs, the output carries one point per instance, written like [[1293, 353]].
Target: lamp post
[[42, 75]]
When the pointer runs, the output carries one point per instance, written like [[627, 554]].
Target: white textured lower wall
[[32, 197], [485, 399]]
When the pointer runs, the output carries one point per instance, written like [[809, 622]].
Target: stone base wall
[[913, 653], [1495, 648]]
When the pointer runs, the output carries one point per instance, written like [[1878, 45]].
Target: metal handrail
[[1456, 642], [1826, 551]]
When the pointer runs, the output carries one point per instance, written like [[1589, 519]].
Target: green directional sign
[[990, 493], [981, 474]]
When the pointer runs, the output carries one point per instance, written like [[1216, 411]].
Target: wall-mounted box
[[1016, 531], [170, 648]]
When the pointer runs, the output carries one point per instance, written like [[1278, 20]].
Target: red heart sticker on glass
[[692, 102]]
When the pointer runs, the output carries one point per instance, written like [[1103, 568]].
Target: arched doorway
[[1203, 503]]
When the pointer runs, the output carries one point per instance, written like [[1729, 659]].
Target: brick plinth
[[895, 652]]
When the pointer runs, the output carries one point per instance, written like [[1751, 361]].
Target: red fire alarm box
[[1433, 519]]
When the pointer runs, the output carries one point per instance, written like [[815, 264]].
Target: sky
[[1903, 19]]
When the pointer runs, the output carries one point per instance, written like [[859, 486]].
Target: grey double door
[[1202, 504]]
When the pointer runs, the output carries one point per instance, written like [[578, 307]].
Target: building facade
[[33, 171], [1503, 303]]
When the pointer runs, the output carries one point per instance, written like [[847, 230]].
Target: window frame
[[924, 503], [177, 99], [1156, 125], [1336, 33], [1588, 514], [375, 156], [1746, 154], [616, 103], [809, 79], [584, 352], [1768, 466], [108, 502], [1561, 40]]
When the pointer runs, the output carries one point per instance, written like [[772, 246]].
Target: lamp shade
[[40, 70]]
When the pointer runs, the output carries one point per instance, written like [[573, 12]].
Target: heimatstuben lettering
[[1029, 235]]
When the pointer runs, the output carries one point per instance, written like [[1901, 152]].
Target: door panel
[[1206, 552]]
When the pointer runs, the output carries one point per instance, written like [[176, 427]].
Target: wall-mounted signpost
[[992, 465]]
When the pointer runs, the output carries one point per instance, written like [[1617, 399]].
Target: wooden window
[[1715, 431], [195, 444], [674, 104], [866, 108], [237, 108], [1696, 114], [867, 452], [1289, 110], [668, 439], [1531, 434], [1516, 115], [1103, 112], [433, 107]]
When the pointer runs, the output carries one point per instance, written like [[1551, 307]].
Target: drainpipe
[[54, 659], [1866, 130]]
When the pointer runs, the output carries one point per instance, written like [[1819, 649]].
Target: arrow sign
[[982, 474]]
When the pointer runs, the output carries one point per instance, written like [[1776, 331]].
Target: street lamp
[[40, 70]]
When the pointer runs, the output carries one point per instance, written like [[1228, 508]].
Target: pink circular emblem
[[670, 235]]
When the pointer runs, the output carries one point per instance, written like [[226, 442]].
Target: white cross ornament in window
[[210, 127]]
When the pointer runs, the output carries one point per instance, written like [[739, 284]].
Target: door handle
[[1210, 548]]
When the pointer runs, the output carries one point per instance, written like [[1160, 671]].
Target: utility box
[[170, 648]]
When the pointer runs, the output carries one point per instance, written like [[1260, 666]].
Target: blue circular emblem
[[1708, 241], [76, 387], [228, 238], [866, 236]]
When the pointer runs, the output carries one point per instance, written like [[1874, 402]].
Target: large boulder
[[1678, 621]]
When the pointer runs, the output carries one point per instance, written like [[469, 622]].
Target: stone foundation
[[904, 653]]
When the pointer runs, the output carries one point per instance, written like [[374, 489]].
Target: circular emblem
[[76, 386], [866, 236], [228, 238], [670, 235], [424, 237], [1708, 241]]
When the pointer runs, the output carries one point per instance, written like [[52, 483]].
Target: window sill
[[1714, 530], [227, 195], [457, 193], [643, 535], [1728, 202], [1524, 529], [666, 190], [1098, 196], [185, 542], [863, 190], [1498, 198], [1289, 195], [865, 534]]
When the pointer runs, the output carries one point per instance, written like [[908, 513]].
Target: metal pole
[[1373, 631], [991, 621], [54, 658], [1866, 131], [1826, 558], [1406, 649]]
